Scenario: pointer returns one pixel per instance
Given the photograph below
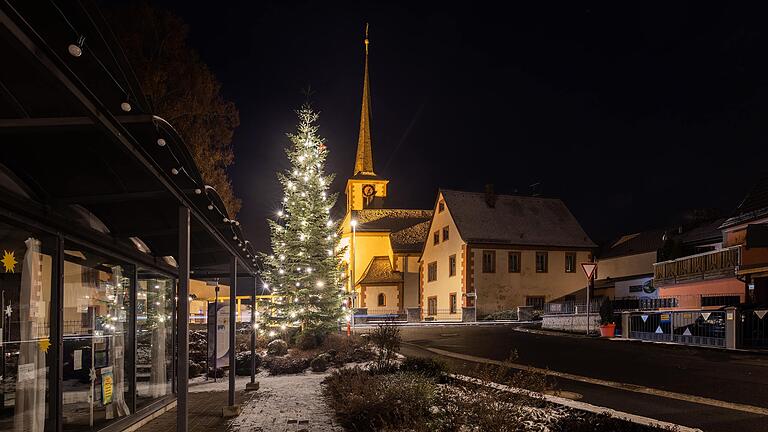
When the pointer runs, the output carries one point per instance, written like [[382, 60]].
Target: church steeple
[[364, 158]]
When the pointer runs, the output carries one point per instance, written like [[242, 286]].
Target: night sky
[[631, 114]]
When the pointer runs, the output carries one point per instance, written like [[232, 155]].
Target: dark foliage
[[586, 422], [429, 367]]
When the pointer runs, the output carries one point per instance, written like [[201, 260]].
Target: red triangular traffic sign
[[589, 269]]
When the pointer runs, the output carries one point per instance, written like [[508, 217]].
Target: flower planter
[[607, 330]]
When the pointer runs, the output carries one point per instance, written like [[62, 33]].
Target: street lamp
[[353, 224]]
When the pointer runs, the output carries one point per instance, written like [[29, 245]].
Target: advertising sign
[[106, 385], [218, 331]]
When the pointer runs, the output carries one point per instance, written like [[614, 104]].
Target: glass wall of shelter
[[117, 334]]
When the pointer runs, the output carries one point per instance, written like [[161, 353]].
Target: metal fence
[[442, 315], [688, 327], [572, 307], [754, 328], [381, 315]]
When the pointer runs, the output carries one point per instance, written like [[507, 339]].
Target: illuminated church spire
[[364, 159]]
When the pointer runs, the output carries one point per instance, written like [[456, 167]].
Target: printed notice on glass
[[78, 360], [26, 372]]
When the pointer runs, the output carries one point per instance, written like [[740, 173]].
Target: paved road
[[740, 378]]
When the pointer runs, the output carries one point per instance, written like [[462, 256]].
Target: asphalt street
[[651, 380]]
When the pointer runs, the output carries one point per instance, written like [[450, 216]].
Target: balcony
[[709, 265]]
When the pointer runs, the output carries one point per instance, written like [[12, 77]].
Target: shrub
[[366, 402], [501, 315], [310, 339], [216, 373], [243, 363], [195, 369], [386, 339], [429, 367], [606, 312], [277, 347], [287, 365], [346, 349], [586, 422], [319, 363]]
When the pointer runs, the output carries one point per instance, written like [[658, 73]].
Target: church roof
[[410, 239], [380, 271], [517, 220], [364, 157], [408, 228]]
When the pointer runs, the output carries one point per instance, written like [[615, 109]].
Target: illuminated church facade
[[382, 245]]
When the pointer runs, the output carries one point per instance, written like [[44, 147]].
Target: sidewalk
[[284, 403]]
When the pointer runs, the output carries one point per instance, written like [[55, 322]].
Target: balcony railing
[[709, 265]]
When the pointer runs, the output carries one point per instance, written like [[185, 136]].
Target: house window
[[432, 306], [536, 301], [570, 262], [440, 207], [452, 265], [542, 259], [489, 261], [452, 302], [382, 299], [514, 262], [445, 233], [432, 271], [436, 237]]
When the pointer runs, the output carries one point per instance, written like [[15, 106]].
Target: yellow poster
[[106, 385]]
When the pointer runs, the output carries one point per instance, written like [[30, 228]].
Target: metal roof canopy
[[67, 141]]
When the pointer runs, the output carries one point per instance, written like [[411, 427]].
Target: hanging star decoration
[[8, 311], [44, 344], [9, 261]]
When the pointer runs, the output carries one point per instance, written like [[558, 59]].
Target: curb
[[582, 406]]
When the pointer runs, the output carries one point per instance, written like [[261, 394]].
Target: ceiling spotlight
[[76, 49], [125, 106], [161, 142]]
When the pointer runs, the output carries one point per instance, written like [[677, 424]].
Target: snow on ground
[[284, 403]]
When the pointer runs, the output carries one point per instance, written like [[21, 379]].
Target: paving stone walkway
[[284, 403], [204, 414]]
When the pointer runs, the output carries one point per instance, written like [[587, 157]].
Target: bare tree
[[181, 89]]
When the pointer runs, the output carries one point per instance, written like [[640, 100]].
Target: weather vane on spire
[[366, 39]]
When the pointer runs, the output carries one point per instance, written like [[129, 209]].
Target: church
[[382, 245], [470, 256]]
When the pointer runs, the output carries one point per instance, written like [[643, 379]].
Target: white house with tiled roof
[[487, 253]]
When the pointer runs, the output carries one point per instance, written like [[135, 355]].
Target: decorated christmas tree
[[303, 270]]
